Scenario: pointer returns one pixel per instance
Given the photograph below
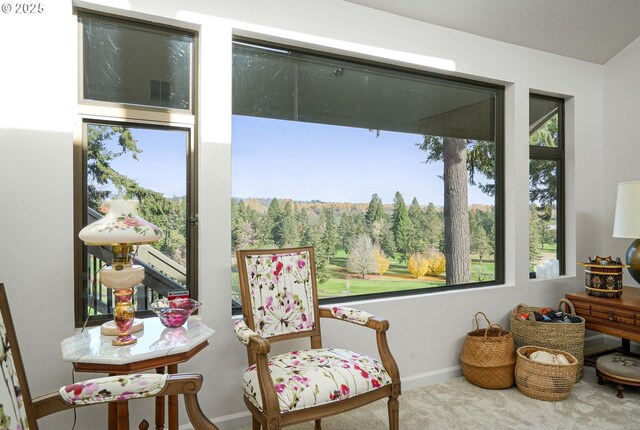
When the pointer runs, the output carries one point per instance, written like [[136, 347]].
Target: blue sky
[[165, 151], [300, 161], [307, 161]]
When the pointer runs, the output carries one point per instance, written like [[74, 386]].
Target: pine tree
[[285, 229], [330, 238], [269, 222], [402, 227]]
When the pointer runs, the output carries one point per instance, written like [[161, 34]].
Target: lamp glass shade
[[627, 217], [121, 225]]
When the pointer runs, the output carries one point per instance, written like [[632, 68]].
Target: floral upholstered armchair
[[19, 412], [279, 302]]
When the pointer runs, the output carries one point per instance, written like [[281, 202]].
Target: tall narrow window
[[394, 176], [149, 70], [546, 180]]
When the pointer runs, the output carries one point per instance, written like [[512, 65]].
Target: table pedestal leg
[[113, 416], [173, 401], [160, 405], [123, 415]]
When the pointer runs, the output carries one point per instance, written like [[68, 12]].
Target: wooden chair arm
[[259, 345], [186, 384], [257, 349], [374, 322], [50, 404]]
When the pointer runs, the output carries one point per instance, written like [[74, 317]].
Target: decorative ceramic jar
[[603, 276]]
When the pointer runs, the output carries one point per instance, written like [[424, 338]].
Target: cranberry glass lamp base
[[123, 315]]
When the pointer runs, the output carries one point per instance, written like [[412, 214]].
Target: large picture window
[[136, 142], [394, 176], [546, 181]]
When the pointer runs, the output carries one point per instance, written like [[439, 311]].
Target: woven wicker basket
[[488, 356], [542, 381], [565, 337]]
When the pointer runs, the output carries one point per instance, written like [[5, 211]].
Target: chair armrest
[[113, 388], [355, 316], [83, 393], [250, 338]]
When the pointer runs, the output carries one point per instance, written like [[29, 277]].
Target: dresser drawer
[[600, 313], [611, 314]]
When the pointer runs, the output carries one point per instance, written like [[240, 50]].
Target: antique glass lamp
[[122, 229], [627, 223]]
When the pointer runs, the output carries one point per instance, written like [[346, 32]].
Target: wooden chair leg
[[318, 425], [255, 423], [394, 413]]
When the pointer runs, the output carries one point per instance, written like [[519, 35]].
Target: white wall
[[621, 138], [38, 119]]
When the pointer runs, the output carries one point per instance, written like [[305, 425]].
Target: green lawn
[[354, 286], [342, 283]]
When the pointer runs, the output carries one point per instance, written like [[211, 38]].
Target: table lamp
[[121, 228], [627, 223]]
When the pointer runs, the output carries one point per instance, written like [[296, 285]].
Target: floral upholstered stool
[[619, 368]]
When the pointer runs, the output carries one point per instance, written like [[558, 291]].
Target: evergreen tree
[[433, 226], [304, 228], [346, 230], [418, 220], [270, 220], [375, 210], [330, 238], [479, 241], [402, 227], [285, 229]]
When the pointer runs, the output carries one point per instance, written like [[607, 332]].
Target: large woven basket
[[542, 381], [488, 356], [567, 337]]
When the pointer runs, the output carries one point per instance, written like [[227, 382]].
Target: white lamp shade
[[627, 218], [121, 225]]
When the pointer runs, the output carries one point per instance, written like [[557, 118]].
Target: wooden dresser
[[616, 317]]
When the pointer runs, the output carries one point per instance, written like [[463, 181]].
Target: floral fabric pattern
[[281, 293], [313, 377], [12, 412], [113, 388], [243, 332], [350, 314]]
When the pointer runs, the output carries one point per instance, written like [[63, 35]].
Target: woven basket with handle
[[544, 381], [567, 337], [488, 356]]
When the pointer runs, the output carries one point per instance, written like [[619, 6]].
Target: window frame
[[131, 115], [557, 154], [499, 91]]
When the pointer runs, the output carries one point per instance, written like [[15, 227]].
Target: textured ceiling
[[589, 30]]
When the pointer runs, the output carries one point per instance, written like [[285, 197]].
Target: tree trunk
[[456, 213]]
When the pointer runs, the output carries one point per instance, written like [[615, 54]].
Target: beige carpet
[[456, 404]]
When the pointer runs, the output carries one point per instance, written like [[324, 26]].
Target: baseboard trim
[[243, 419], [433, 377]]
